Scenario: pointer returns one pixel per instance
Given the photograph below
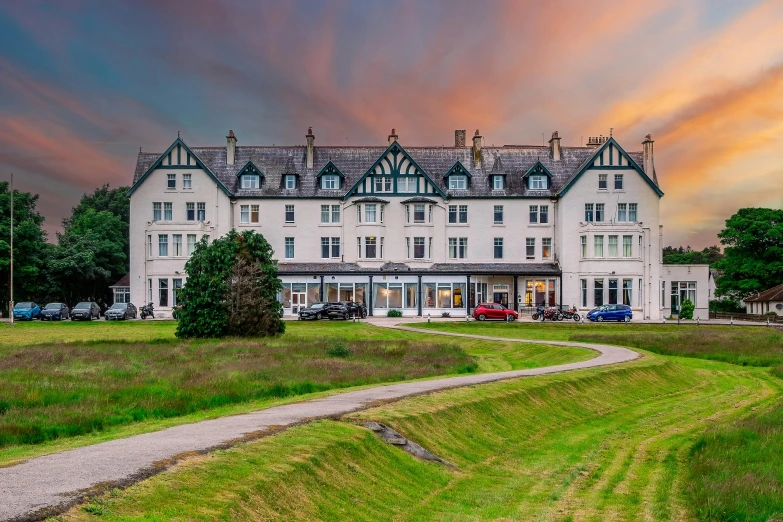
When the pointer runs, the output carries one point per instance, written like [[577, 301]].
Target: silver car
[[121, 311]]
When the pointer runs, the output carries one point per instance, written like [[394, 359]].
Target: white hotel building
[[424, 230]]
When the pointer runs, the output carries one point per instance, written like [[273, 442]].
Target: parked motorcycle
[[571, 313], [147, 311], [538, 313]]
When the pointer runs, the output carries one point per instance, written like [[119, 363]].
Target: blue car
[[614, 312], [27, 310]]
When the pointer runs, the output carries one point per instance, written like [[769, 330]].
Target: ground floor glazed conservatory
[[441, 288]]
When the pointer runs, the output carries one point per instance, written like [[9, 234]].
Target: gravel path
[[48, 484]]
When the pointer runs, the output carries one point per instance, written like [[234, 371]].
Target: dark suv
[[346, 310], [314, 311], [86, 311]]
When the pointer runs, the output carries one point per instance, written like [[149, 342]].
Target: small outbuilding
[[121, 290], [767, 301]]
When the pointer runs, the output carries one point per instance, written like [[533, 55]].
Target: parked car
[[614, 312], [55, 312], [337, 311], [86, 311], [121, 311], [315, 311], [494, 311], [355, 309], [26, 310]]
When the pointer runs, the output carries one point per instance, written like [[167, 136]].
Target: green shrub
[[394, 313], [726, 305], [686, 310], [339, 350]]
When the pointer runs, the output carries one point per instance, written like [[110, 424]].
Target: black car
[[314, 311], [86, 311], [55, 312], [121, 311], [355, 309], [337, 311]]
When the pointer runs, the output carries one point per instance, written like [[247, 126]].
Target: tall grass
[[62, 390]]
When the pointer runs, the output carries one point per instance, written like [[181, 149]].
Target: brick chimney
[[477, 149], [393, 136], [647, 158], [231, 148], [310, 139], [459, 138], [554, 146]]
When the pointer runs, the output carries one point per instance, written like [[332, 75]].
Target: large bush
[[686, 310], [231, 289]]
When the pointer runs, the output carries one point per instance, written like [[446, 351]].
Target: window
[[537, 182], [534, 213], [370, 213], [612, 246], [598, 246], [190, 211], [381, 213], [122, 294], [598, 292], [498, 243], [632, 212], [618, 182], [255, 213], [418, 213], [163, 245], [249, 181], [330, 213], [191, 244], [602, 182], [163, 292], [589, 212], [622, 212], [627, 246], [177, 244], [168, 212], [330, 182], [201, 211], [335, 213], [498, 183], [463, 213], [187, 181], [149, 246], [289, 248], [383, 184], [583, 293], [289, 214], [244, 213], [176, 287], [458, 182], [584, 246], [613, 291], [530, 248], [358, 248], [418, 248], [289, 181], [429, 247], [599, 212], [546, 248], [149, 290], [543, 217], [156, 211], [408, 184], [370, 247], [325, 248], [498, 214], [408, 247], [458, 214], [458, 248], [628, 292], [171, 181], [381, 256]]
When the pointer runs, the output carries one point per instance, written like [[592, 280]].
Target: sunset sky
[[83, 85]]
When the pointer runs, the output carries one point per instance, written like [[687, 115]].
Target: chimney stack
[[647, 158], [596, 141], [477, 149], [231, 148], [310, 139], [459, 138], [554, 146], [393, 136]]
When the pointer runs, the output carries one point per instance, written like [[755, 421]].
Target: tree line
[[90, 254]]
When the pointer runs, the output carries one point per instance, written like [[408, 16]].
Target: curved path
[[48, 484]]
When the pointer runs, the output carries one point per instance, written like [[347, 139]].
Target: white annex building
[[424, 230]]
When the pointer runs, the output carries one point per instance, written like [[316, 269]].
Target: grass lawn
[[69, 384], [610, 443]]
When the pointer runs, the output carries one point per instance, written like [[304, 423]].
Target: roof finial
[[178, 135], [139, 150], [610, 131]]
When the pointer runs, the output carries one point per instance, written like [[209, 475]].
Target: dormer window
[[537, 182], [250, 181], [458, 182], [289, 181], [498, 183], [383, 184], [330, 182]]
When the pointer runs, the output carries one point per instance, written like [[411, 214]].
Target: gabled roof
[[158, 163], [250, 167], [773, 294], [588, 164], [330, 168], [459, 169], [538, 168], [497, 168], [123, 282]]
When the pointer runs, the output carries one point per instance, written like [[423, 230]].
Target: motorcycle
[[538, 313], [552, 314], [147, 311], [571, 313]]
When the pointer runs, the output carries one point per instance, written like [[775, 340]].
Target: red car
[[494, 311]]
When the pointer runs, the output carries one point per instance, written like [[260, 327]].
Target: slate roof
[[125, 281], [773, 294], [436, 268], [274, 162]]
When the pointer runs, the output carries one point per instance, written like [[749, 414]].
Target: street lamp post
[[11, 304]]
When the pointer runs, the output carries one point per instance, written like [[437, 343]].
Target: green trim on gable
[[537, 169], [253, 169], [453, 172], [334, 170], [588, 165], [159, 164]]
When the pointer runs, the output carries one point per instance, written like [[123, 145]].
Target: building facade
[[425, 230]]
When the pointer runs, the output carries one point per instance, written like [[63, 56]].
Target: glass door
[[298, 301]]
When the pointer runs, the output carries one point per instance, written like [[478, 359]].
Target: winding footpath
[[46, 485]]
